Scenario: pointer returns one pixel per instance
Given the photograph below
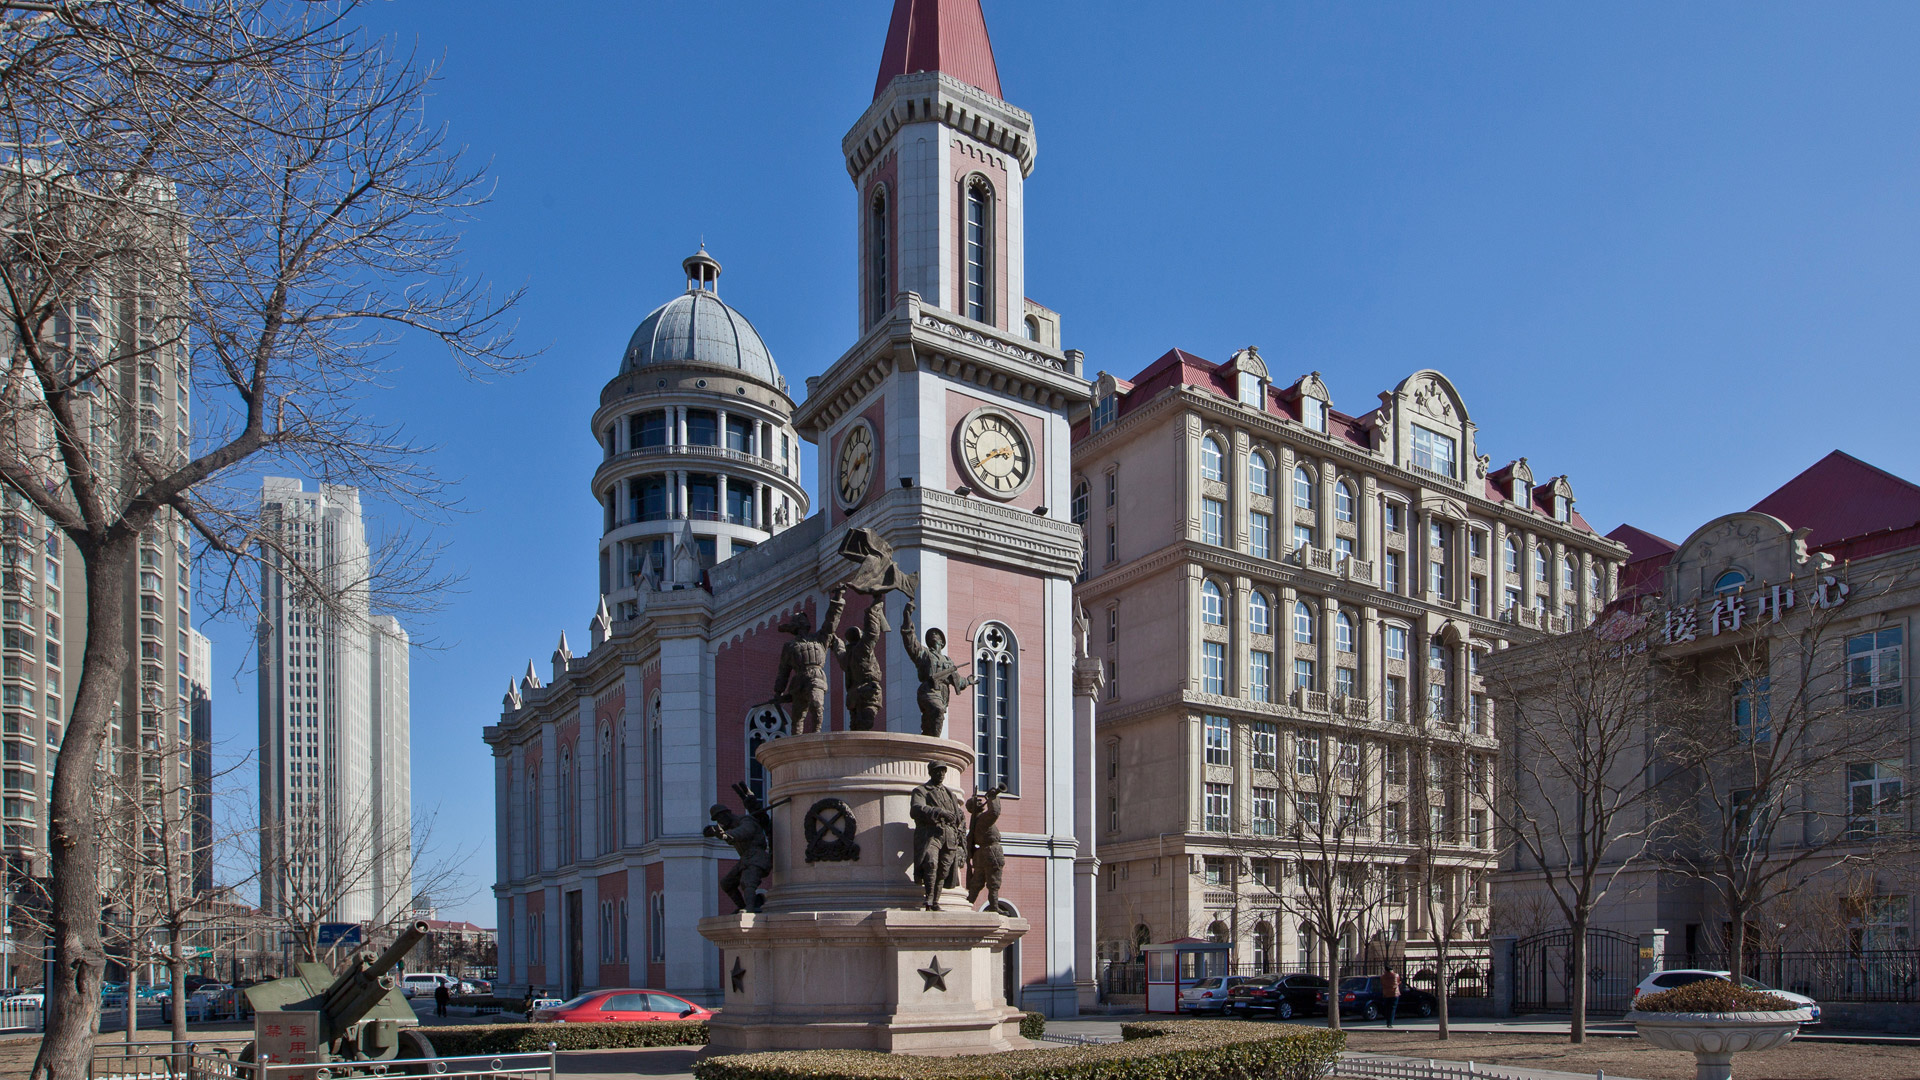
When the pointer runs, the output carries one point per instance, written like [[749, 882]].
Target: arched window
[[1511, 556], [1142, 937], [1729, 582], [656, 775], [609, 802], [1541, 558], [1033, 329], [1594, 588], [978, 243], [1344, 626], [569, 812], [996, 705], [763, 726], [1570, 575], [533, 820], [1302, 622], [1082, 499], [1302, 488], [1259, 474], [1213, 464], [1259, 614], [1262, 948], [1218, 932], [1343, 501], [882, 282], [1213, 611]]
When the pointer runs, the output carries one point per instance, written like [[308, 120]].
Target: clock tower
[[945, 429]]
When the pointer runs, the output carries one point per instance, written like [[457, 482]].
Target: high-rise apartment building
[[392, 791], [323, 726], [200, 720]]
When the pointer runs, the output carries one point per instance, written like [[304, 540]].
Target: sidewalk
[[1389, 1067]]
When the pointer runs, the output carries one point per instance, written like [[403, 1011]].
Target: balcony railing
[[1354, 708], [1311, 701]]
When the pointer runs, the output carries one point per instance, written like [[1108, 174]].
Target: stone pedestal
[[842, 955]]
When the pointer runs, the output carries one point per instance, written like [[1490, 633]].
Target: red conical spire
[[939, 35]]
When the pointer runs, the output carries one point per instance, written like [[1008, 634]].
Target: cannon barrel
[[361, 986]]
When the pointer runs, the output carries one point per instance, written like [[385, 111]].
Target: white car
[[426, 982], [1210, 995], [1672, 977]]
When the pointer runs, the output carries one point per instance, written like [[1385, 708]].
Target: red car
[[603, 1006]]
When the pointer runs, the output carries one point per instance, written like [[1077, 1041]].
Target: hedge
[[473, 1039], [1711, 996], [1033, 1025], [1189, 1050]]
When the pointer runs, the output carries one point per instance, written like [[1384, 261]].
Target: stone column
[[721, 494], [1366, 514], [1529, 575], [1500, 985], [680, 425], [1329, 643], [1370, 648], [721, 417], [1497, 569], [680, 492], [1283, 499], [1237, 494], [1590, 601], [1284, 644], [1324, 527], [759, 493], [1653, 953], [1189, 477]]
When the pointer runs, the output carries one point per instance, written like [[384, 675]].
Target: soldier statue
[[938, 674], [937, 841], [859, 657], [749, 840], [986, 861], [802, 680]]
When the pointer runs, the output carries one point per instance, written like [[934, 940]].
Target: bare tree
[[1771, 725], [1449, 888], [246, 191], [1583, 751]]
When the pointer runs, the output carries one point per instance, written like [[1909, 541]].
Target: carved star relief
[[739, 976], [935, 975]]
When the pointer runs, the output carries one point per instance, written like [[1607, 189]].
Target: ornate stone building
[[943, 428], [1284, 593]]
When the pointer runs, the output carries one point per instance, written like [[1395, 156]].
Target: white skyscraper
[[332, 746]]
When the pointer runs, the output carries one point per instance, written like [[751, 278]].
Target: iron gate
[[1543, 971]]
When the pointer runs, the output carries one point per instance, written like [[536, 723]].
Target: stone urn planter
[[1713, 1038]]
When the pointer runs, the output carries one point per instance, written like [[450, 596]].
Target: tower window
[[979, 220], [878, 232], [1033, 329]]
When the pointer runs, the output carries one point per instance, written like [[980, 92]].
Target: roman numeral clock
[[995, 454]]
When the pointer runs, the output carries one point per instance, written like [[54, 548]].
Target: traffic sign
[[339, 933]]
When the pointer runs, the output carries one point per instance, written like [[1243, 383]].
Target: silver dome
[[696, 327]]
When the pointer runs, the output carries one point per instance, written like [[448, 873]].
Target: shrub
[[1711, 996], [1173, 1050], [473, 1039], [1033, 1025]]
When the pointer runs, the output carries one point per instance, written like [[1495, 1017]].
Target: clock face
[[995, 453], [856, 463]]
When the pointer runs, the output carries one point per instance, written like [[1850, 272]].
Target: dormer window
[[1103, 411], [1033, 329], [1433, 452], [1313, 413], [1252, 390], [1562, 508]]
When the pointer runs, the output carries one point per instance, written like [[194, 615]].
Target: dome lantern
[[703, 272]]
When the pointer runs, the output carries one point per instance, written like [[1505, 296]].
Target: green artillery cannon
[[362, 1016]]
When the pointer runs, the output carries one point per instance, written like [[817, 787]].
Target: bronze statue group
[[942, 836]]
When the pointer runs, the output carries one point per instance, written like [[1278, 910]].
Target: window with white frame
[[1436, 577], [1303, 493], [1251, 388], [1261, 675], [1395, 638], [1393, 763], [1306, 809], [1259, 613], [1302, 535], [996, 705], [1303, 629], [1562, 508], [1266, 811], [1306, 754], [1348, 763], [1219, 808], [1594, 588], [1753, 709], [1343, 501], [1433, 451], [1213, 610], [1874, 805], [657, 927], [1394, 696], [1213, 463], [1476, 543], [1219, 734], [978, 238], [1342, 549], [1103, 411], [1213, 522], [1266, 745], [1346, 682], [1306, 675], [1343, 632], [1570, 575], [1873, 669], [1259, 474], [1390, 515], [1439, 680], [1510, 556], [1082, 502], [1439, 534], [1213, 667], [1390, 572], [1113, 488], [1260, 535], [1542, 558], [1313, 413]]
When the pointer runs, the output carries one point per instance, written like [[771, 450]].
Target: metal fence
[[541, 1066], [1361, 1067], [19, 1016], [1468, 964], [160, 1059], [1837, 975]]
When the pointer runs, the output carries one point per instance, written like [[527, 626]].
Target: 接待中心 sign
[[1729, 612]]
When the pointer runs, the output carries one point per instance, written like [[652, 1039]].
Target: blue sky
[[1670, 250]]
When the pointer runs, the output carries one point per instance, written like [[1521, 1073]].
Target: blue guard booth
[[1174, 965]]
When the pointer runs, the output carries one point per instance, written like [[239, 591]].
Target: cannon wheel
[[415, 1044], [246, 1054]]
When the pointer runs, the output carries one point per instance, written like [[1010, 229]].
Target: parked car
[[1672, 977], [1210, 995], [1285, 996], [601, 1006], [33, 999], [1361, 996], [416, 983]]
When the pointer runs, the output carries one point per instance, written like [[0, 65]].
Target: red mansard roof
[[1842, 498], [948, 36]]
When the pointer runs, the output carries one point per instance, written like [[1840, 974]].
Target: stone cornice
[[1188, 702], [972, 528], [935, 96], [1300, 439]]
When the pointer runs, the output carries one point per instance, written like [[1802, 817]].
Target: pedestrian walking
[[1390, 989], [440, 999]]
